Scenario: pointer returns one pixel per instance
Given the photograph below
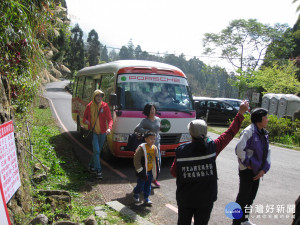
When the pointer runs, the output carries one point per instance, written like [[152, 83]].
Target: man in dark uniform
[[195, 170]]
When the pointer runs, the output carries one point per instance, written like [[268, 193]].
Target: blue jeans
[[144, 186], [98, 142]]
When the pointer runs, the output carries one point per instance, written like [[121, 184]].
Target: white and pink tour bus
[[128, 86]]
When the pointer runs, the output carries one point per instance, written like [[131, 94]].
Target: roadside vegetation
[[282, 131], [53, 166]]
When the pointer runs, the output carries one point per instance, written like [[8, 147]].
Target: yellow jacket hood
[[97, 92]]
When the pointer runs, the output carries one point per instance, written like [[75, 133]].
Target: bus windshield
[[166, 92]]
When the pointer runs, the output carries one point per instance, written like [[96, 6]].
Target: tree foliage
[[277, 79], [94, 47], [26, 34], [113, 55], [75, 56], [243, 43], [104, 54], [298, 8], [281, 49]]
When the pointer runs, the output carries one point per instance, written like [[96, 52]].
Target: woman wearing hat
[[98, 118], [253, 155], [195, 170]]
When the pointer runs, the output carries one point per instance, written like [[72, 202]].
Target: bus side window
[[97, 84], [107, 86], [88, 89], [80, 87], [75, 85]]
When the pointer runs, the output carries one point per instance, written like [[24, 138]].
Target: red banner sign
[[9, 170]]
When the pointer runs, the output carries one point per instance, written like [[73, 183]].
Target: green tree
[[296, 36], [124, 53], [104, 54], [298, 8], [277, 79], [196, 68], [94, 45], [75, 55], [145, 55], [113, 55], [130, 48], [138, 52], [243, 44], [281, 49], [172, 60]]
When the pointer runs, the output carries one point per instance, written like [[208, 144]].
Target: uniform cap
[[198, 129]]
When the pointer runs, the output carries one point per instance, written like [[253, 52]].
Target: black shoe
[[92, 170], [99, 175], [148, 202]]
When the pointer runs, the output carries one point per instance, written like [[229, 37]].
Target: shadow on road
[[74, 161]]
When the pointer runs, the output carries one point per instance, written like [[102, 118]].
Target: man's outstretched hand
[[244, 106]]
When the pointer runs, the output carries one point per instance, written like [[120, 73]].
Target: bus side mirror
[[112, 99]]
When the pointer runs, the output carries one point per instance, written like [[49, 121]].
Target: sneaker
[[155, 182], [92, 170], [248, 222], [136, 198], [148, 202], [99, 175]]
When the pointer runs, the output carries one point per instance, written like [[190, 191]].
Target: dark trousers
[[247, 193], [201, 215]]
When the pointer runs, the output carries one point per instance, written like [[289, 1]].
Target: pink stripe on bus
[[163, 114]]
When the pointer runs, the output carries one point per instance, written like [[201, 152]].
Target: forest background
[[42, 50]]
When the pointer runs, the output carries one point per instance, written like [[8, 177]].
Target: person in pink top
[[98, 118]]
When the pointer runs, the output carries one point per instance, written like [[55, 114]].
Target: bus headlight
[[120, 137], [185, 137]]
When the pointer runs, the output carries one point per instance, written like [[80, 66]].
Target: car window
[[212, 104], [221, 105], [203, 103], [234, 103], [227, 106]]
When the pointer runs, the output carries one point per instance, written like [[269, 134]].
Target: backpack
[[134, 140]]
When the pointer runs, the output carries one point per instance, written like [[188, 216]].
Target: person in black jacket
[[195, 170]]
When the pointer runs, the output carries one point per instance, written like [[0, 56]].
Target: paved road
[[273, 205]]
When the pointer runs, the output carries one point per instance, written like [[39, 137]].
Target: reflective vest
[[196, 174]]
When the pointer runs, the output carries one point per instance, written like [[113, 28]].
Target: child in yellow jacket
[[147, 167]]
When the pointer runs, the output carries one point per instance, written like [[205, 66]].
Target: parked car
[[214, 111], [234, 102]]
